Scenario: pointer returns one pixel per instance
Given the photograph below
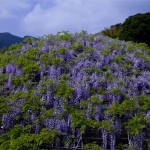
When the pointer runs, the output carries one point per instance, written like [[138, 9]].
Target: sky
[[42, 17]]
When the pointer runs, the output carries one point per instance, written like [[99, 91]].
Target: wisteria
[[112, 141], [64, 86], [105, 139]]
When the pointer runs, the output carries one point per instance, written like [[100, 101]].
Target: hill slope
[[135, 28], [70, 90], [7, 39]]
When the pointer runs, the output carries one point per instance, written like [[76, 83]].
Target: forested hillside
[[7, 39], [75, 91], [135, 28]]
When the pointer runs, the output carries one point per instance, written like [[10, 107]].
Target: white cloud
[[5, 14], [72, 15], [8, 8], [14, 4], [39, 17]]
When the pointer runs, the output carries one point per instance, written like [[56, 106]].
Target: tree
[[136, 28], [113, 31]]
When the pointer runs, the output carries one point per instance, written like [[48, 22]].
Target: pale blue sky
[[40, 17]]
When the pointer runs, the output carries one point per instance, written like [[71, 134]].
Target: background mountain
[[7, 39]]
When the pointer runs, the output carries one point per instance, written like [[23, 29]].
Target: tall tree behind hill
[[136, 28]]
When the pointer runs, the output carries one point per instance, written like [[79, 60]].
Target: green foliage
[[89, 50], [92, 146], [18, 81], [4, 108], [144, 102], [29, 58], [136, 28], [113, 31], [125, 147], [32, 54], [115, 109], [61, 50], [4, 141], [82, 34], [144, 47], [3, 50], [101, 90], [119, 59], [46, 136], [46, 83], [49, 59], [46, 58], [78, 118], [139, 54], [3, 78], [107, 125], [57, 61], [33, 102], [137, 123], [49, 113], [106, 52], [64, 90], [65, 36], [19, 138], [109, 76], [117, 91], [78, 46], [65, 76], [22, 61], [4, 59], [92, 91], [105, 68], [92, 69], [16, 96], [80, 121], [30, 70], [29, 40], [15, 47], [95, 100], [128, 105]]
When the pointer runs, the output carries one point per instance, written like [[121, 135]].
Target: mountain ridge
[[7, 39]]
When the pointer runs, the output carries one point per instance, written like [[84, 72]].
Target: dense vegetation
[[56, 91], [135, 28], [114, 31]]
